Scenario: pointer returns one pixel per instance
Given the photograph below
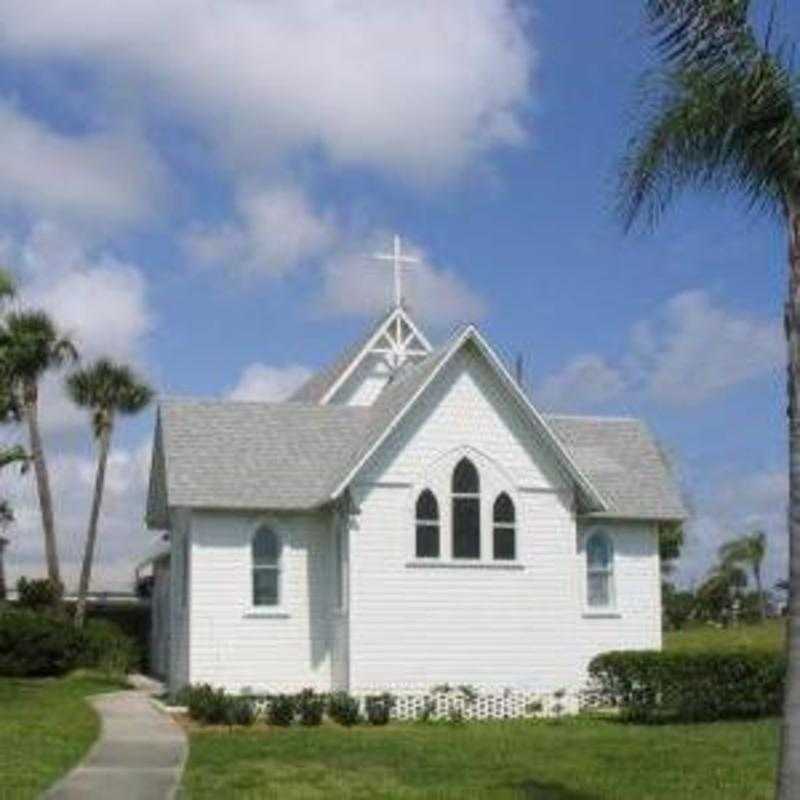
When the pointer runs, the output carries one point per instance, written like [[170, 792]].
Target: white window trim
[[274, 609], [610, 609], [430, 523]]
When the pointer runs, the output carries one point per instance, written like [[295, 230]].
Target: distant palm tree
[[748, 550], [723, 112], [30, 345], [105, 389]]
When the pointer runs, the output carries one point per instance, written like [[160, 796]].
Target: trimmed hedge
[[654, 686]]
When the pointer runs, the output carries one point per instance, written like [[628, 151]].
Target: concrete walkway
[[139, 756]]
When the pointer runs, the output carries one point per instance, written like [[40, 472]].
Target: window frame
[[504, 525], [608, 571], [277, 567], [475, 498], [434, 522]]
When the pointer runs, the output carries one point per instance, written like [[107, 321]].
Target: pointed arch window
[[266, 549], [466, 489], [505, 529], [599, 571], [427, 544]]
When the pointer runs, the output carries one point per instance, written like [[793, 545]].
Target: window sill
[[274, 612], [466, 564], [601, 613]]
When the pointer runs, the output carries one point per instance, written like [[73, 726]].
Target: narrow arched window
[[505, 523], [427, 525], [599, 571], [466, 510], [266, 567]]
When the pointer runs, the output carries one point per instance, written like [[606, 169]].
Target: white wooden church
[[408, 518]]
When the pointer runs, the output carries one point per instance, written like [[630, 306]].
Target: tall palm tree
[[30, 345], [723, 112], [105, 389], [749, 550]]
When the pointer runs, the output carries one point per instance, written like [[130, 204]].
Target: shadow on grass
[[534, 790]]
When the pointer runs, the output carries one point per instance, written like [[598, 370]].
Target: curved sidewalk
[[139, 756]]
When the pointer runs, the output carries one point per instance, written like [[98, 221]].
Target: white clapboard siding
[[239, 647]]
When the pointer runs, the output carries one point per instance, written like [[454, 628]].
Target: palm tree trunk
[[762, 601], [788, 787], [91, 535], [42, 483]]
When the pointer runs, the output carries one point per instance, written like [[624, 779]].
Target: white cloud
[[585, 382], [275, 230], [740, 504], [122, 536], [265, 383], [696, 348], [417, 88], [693, 349], [354, 283], [95, 178]]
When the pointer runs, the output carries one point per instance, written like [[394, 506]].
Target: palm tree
[[106, 389], [723, 112], [30, 345], [750, 551]]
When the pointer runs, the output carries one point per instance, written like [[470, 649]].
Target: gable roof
[[296, 456], [621, 457]]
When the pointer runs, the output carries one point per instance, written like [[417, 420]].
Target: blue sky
[[192, 186]]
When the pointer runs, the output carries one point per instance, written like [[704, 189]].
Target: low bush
[[37, 645], [207, 704], [344, 709], [379, 708], [652, 686], [282, 708], [310, 707], [240, 711], [38, 594], [107, 648]]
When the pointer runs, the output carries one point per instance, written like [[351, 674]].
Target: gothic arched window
[[466, 490], [427, 545], [504, 539]]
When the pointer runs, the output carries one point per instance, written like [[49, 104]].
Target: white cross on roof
[[399, 261]]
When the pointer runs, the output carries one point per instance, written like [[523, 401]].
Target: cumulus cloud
[[122, 537], [587, 381], [275, 230], [417, 88], [101, 178], [696, 348], [267, 383], [739, 504], [354, 283], [693, 349]]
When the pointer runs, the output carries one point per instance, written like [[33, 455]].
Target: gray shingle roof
[[623, 461], [286, 456]]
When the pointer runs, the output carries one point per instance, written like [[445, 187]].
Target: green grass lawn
[[765, 636], [46, 725], [577, 759]]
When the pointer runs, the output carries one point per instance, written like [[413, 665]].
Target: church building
[[408, 518]]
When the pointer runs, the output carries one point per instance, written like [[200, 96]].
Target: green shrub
[[36, 645], [651, 686], [38, 594], [282, 708], [107, 648], [310, 707], [207, 704], [379, 708], [240, 711], [344, 709]]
